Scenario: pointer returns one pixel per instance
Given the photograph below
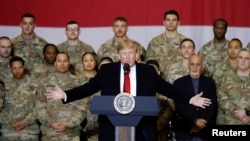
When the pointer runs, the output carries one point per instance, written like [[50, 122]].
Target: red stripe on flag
[[92, 13]]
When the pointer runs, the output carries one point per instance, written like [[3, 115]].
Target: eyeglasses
[[72, 29]]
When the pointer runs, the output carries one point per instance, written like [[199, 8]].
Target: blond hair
[[127, 44]]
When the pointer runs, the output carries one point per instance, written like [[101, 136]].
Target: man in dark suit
[[109, 79], [192, 121]]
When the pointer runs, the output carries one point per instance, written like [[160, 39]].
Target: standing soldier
[[109, 48], [215, 51], [43, 70], [164, 48], [18, 115], [233, 93], [90, 124], [230, 63], [60, 121], [180, 68], [73, 46], [6, 53], [28, 45]]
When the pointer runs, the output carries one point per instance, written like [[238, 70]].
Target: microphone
[[126, 67]]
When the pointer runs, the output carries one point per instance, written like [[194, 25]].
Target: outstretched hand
[[55, 94], [199, 101]]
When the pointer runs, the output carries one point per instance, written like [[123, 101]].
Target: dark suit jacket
[[108, 81], [187, 113]]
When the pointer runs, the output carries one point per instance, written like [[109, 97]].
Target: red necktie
[[126, 87]]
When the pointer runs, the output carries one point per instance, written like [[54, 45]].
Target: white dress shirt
[[132, 76]]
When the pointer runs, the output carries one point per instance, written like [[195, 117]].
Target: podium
[[125, 123]]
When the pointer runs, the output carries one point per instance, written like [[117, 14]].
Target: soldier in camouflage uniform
[[6, 53], [180, 68], [230, 63], [28, 45], [74, 46], [60, 121], [109, 48], [164, 48], [43, 70], [215, 51], [18, 115], [234, 93], [90, 67]]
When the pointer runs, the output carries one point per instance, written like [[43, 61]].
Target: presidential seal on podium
[[124, 103]]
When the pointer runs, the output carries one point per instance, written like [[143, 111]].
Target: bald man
[[192, 121]]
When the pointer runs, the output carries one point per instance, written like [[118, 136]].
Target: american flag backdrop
[[145, 18]]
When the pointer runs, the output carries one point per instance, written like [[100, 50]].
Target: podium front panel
[[124, 120], [144, 106]]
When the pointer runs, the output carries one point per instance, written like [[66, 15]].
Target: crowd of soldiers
[[29, 65]]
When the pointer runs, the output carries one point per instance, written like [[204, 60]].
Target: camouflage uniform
[[213, 54], [75, 53], [176, 71], [42, 70], [233, 94], [49, 111], [31, 52], [222, 68], [164, 50], [5, 71], [19, 105], [91, 128], [248, 46], [110, 48]]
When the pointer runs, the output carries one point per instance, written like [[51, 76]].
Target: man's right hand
[[199, 101], [199, 125], [56, 94]]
